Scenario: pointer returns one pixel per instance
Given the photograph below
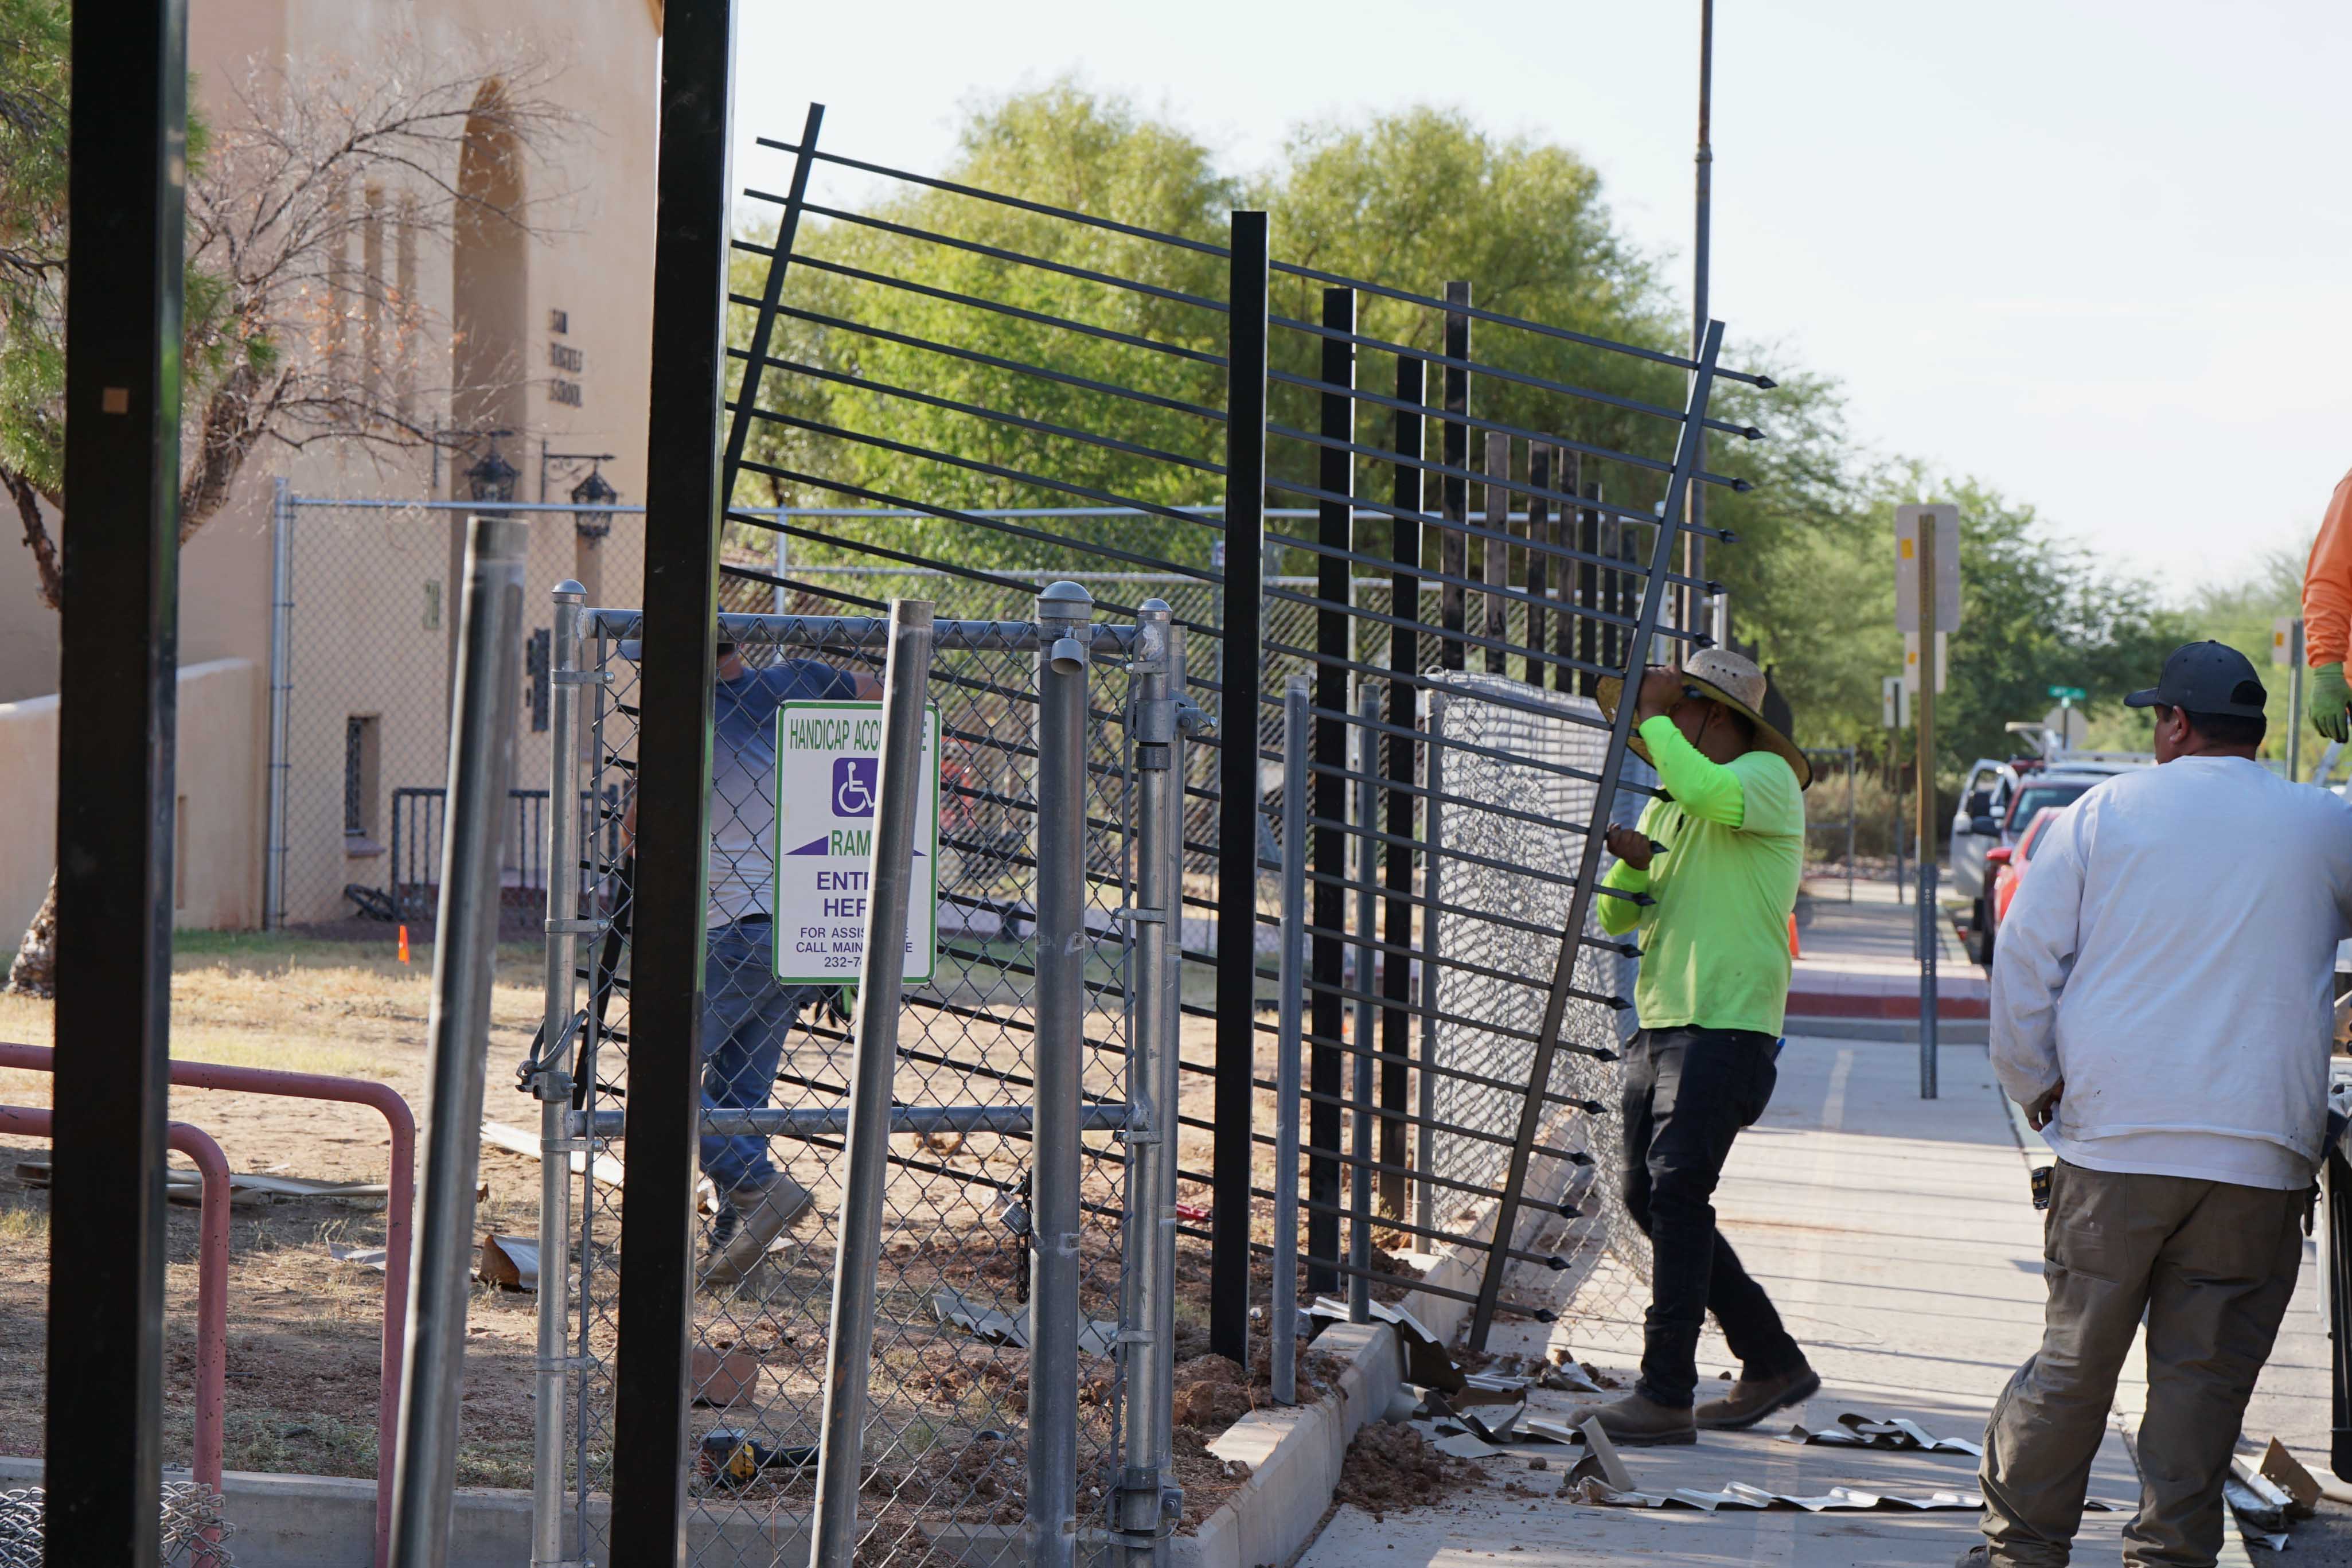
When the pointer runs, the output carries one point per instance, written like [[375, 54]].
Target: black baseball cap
[[2206, 678]]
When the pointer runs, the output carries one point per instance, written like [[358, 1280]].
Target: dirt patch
[[1212, 1393], [1389, 1468]]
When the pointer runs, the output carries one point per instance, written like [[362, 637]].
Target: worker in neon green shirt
[[1717, 855]]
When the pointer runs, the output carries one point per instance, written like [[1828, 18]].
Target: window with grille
[[360, 792]]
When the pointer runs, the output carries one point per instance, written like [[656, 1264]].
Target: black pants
[[1687, 1094]]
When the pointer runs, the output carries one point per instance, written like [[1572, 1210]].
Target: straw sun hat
[[1736, 682]]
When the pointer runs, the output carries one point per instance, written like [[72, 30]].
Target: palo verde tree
[[297, 329]]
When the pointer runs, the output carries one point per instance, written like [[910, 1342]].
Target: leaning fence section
[[1508, 770]]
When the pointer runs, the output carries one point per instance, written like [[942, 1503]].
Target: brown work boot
[[1753, 1398], [1637, 1422], [762, 1210]]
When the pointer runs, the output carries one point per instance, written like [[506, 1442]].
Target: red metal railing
[[401, 1198], [212, 1281]]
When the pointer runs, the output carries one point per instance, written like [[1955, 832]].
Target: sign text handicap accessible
[[828, 777]]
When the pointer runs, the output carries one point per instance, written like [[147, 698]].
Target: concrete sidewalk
[[1900, 1242], [1859, 960]]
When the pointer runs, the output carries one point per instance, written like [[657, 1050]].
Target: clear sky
[[2091, 251]]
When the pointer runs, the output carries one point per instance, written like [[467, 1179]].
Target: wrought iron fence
[[869, 427]]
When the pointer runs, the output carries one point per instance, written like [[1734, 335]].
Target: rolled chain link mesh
[[194, 1528], [1503, 870]]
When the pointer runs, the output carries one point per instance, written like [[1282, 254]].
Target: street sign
[[828, 763], [1911, 661], [1945, 520], [2285, 632], [2070, 694], [2071, 725], [1894, 702]]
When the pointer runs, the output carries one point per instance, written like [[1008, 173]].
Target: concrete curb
[[1295, 1452]]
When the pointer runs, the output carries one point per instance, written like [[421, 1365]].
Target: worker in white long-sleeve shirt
[[2161, 1008]]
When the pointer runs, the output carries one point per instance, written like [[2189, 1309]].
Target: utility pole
[[1695, 543], [1928, 912]]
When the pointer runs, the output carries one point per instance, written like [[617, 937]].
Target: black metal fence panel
[[975, 391]]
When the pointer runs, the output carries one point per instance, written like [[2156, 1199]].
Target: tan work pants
[[2212, 1265]]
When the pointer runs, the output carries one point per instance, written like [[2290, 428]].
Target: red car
[[2007, 866]]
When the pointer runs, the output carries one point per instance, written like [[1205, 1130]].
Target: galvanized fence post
[[1284, 1307], [1064, 651], [481, 766], [849, 1338], [1425, 1206], [1359, 1173], [281, 687], [551, 1082], [1148, 1502]]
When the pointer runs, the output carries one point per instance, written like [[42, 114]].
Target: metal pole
[[118, 680], [281, 629], [1242, 607], [1062, 611], [687, 491], [2294, 704], [1694, 544], [1424, 1201], [1926, 826], [1849, 824], [1406, 545], [1284, 1307], [881, 980], [1335, 635], [1360, 1175], [1146, 1491], [1588, 874], [552, 1084], [465, 954]]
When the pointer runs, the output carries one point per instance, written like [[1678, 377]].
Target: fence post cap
[[567, 589], [1069, 598]]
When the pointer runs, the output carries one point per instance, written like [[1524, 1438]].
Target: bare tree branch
[[36, 536]]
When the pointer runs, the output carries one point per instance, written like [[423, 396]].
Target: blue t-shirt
[[743, 778]]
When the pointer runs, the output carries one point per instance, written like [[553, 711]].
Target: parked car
[[2002, 798], [2007, 865], [1985, 790]]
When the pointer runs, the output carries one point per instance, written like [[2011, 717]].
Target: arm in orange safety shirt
[[2328, 618]]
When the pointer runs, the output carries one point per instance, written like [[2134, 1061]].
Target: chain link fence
[[946, 1442], [1510, 771], [358, 757]]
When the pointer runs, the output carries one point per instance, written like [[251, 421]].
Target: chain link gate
[[951, 1388]]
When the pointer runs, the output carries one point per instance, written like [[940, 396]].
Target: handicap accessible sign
[[828, 765]]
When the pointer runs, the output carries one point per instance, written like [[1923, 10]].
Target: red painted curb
[[1849, 1005]]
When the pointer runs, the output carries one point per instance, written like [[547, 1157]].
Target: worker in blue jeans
[[747, 1013]]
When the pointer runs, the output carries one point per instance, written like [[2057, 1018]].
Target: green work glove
[[2325, 698]]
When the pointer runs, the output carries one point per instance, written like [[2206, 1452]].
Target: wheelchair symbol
[[854, 779]]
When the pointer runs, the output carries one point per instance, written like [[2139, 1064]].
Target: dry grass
[[303, 1330]]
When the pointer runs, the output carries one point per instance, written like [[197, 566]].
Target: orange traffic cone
[[404, 940]]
